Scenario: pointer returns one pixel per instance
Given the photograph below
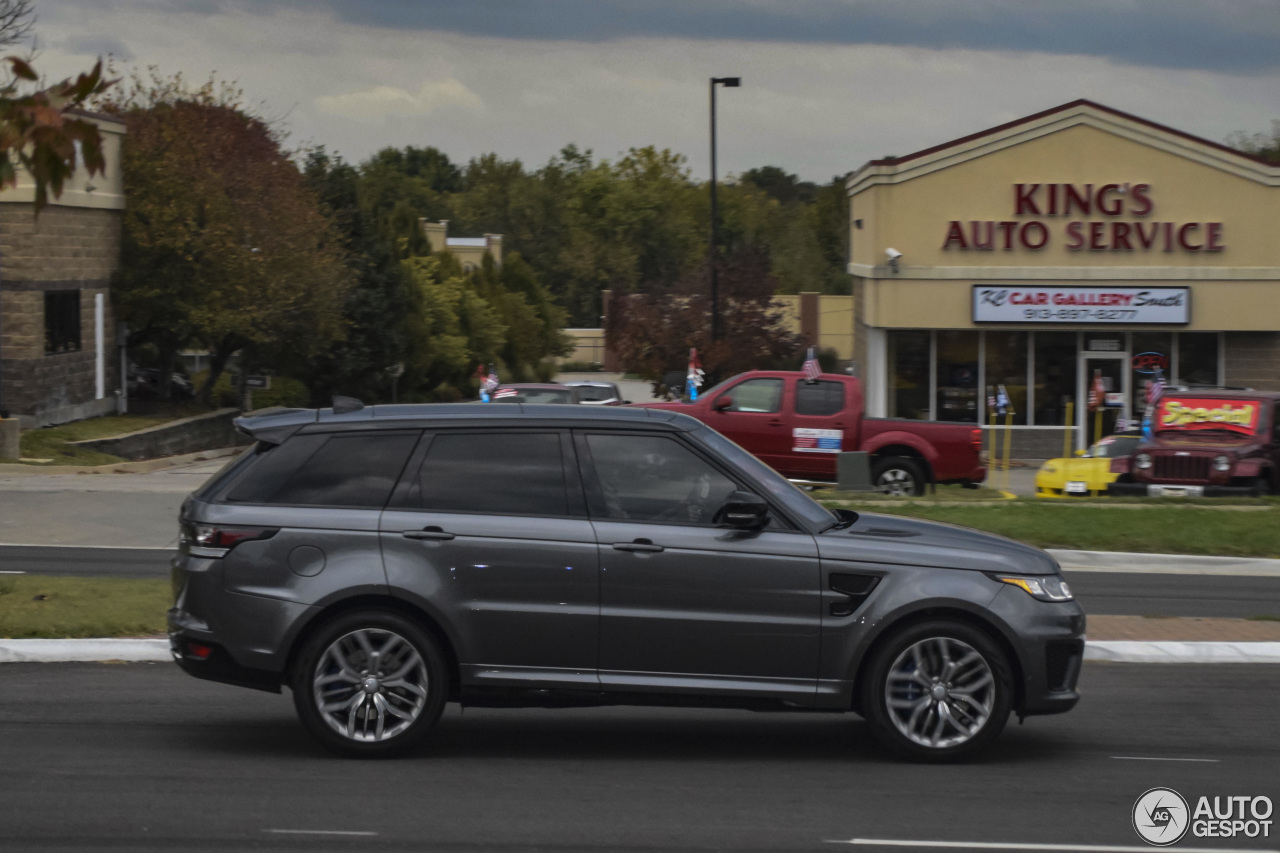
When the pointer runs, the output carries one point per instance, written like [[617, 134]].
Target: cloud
[[378, 102], [1239, 35], [97, 45]]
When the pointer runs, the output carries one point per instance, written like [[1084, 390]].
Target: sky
[[826, 84]]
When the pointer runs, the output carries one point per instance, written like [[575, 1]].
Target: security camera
[[893, 254]]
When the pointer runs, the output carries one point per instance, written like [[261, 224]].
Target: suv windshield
[[1195, 413]]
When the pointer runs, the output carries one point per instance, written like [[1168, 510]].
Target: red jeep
[[1206, 442]]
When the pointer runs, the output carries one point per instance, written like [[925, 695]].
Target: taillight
[[975, 440], [215, 540]]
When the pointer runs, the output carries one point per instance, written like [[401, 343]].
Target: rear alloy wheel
[[370, 684], [898, 476], [938, 691]]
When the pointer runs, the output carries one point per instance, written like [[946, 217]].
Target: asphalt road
[[143, 757], [1118, 593]]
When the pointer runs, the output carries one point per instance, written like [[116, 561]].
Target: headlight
[[1048, 468], [1221, 463], [1142, 460], [1039, 587]]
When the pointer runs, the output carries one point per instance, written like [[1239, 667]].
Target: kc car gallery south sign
[[1031, 304]]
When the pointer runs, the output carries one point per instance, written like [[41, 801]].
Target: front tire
[[370, 684], [898, 476], [937, 691]]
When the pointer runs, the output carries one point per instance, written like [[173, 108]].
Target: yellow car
[[1087, 473]]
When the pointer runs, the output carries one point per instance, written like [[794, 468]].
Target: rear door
[[819, 425], [488, 531], [687, 605]]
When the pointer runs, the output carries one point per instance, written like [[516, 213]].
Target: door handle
[[427, 533], [639, 545], [776, 422]]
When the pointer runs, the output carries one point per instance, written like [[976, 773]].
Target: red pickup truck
[[798, 427]]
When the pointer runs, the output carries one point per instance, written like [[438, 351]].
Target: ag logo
[[1160, 817]]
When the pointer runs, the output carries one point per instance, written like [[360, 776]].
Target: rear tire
[[937, 691], [370, 684], [898, 476]]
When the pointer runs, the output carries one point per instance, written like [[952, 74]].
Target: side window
[[349, 470], [757, 395], [504, 473], [819, 398], [655, 478]]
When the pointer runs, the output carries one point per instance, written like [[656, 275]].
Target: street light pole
[[732, 83]]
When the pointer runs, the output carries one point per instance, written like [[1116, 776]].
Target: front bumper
[[1050, 648], [1178, 490]]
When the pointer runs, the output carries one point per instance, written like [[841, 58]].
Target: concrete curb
[[1129, 651], [1116, 651], [1172, 564], [65, 651], [144, 466]]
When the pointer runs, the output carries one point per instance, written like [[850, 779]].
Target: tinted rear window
[[819, 398], [507, 473], [328, 470]]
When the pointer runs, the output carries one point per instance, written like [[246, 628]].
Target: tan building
[[1075, 247], [58, 358], [469, 251]]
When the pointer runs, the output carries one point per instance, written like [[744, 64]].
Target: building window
[[1005, 354], [1156, 351], [908, 374], [957, 366], [1198, 358], [61, 321], [1055, 377]]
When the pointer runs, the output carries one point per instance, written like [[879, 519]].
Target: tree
[[39, 131], [223, 247], [1259, 144], [653, 331]]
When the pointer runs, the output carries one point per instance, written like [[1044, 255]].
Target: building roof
[[1076, 112]]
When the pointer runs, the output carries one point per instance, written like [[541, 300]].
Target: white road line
[[317, 832], [1004, 845], [9, 572], [1146, 758]]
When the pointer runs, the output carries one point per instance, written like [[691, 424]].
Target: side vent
[[857, 587]]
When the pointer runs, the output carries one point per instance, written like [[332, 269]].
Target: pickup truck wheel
[[937, 691], [897, 475]]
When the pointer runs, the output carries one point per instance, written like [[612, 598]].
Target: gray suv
[[383, 561]]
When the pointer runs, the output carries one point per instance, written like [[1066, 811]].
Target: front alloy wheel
[[370, 684], [937, 691]]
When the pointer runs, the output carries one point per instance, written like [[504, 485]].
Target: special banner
[[1031, 304]]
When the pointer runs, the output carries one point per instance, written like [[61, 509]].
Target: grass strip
[[1159, 530], [43, 607]]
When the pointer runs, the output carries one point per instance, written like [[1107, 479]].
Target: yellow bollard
[[1008, 445], [1097, 426], [993, 455], [1066, 433]]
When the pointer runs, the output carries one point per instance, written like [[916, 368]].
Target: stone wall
[[1253, 360], [189, 435], [65, 248]]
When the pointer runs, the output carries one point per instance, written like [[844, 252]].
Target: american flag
[[812, 370], [1156, 389], [693, 379]]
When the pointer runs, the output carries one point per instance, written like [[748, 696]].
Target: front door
[[1103, 396], [488, 534], [754, 419], [687, 604]]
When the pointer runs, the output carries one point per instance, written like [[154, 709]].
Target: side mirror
[[723, 403], [743, 511]]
